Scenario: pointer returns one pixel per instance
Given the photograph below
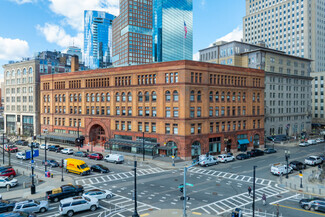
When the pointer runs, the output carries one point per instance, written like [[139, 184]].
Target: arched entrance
[[172, 148], [96, 134], [256, 141], [196, 149]]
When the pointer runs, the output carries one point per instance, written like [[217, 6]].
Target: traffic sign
[[189, 184], [28, 154]]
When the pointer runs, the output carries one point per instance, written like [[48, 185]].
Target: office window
[[175, 112], [175, 129], [167, 128]]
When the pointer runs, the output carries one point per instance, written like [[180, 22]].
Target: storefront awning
[[132, 143], [242, 141]]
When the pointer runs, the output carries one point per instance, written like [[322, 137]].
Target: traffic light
[[182, 198], [77, 141], [181, 187]]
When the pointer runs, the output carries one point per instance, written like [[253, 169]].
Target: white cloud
[[13, 49], [23, 1], [56, 34], [196, 56], [234, 35], [73, 10]]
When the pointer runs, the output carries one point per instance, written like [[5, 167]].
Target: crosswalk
[[240, 200], [117, 176], [230, 176]]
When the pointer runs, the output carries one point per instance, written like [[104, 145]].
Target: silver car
[[32, 206]]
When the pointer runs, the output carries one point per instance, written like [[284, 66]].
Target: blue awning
[[242, 141]]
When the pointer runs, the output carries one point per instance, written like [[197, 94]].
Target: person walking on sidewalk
[[264, 199], [249, 191]]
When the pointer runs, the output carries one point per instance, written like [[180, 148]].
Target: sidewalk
[[293, 183]]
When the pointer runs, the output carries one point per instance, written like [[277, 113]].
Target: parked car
[[5, 181], [280, 169], [18, 214], [322, 156], [53, 147], [32, 206], [9, 172], [21, 155], [313, 160], [6, 206], [67, 151], [319, 140], [303, 144], [114, 158], [51, 162], [318, 205], [242, 156], [269, 151], [207, 161], [11, 148], [80, 153], [99, 194], [96, 156], [311, 203], [72, 205], [42, 146], [297, 165], [257, 152], [21, 142], [224, 158], [311, 141], [34, 144], [99, 168]]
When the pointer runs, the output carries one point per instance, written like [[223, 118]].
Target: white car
[[5, 181], [224, 158], [279, 169], [72, 205], [313, 160], [303, 144], [311, 141], [42, 146], [21, 155], [99, 194], [114, 158], [207, 161], [32, 206], [319, 140], [67, 151]]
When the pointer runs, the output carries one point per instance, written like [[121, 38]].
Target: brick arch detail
[[104, 123]]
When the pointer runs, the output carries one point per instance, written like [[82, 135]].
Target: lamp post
[[62, 180], [287, 156], [254, 174], [45, 161], [300, 175], [143, 146], [32, 187], [3, 148], [78, 137], [135, 214]]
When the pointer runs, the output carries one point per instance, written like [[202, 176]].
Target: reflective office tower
[[73, 50], [132, 33], [294, 26], [172, 30], [97, 39]]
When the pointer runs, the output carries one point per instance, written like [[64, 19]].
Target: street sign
[[174, 147], [189, 184], [29, 153], [32, 161], [300, 174]]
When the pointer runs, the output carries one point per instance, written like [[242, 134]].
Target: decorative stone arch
[[99, 128], [195, 149], [171, 144]]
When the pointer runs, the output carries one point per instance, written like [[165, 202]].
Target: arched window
[[44, 98], [48, 98], [123, 97], [93, 97], [228, 97], [63, 96], [30, 70], [217, 96], [223, 96], [60, 98], [87, 97], [233, 96], [153, 96], [244, 96], [146, 96], [71, 98], [13, 73], [253, 97], [103, 97], [129, 97], [76, 98], [140, 97], [192, 96], [175, 96], [211, 96], [18, 72], [8, 74], [108, 97], [118, 98], [238, 97], [55, 98], [97, 97], [24, 71], [80, 97], [199, 96], [167, 96]]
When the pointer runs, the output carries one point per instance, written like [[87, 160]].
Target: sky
[[30, 26]]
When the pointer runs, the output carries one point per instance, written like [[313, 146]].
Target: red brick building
[[191, 107]]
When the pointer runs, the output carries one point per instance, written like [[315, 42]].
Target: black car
[[318, 205], [99, 168], [6, 206], [21, 142], [257, 152], [269, 151], [80, 154], [34, 144], [51, 162], [297, 165], [308, 203], [242, 156], [55, 148]]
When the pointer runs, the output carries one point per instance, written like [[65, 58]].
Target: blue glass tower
[[97, 39], [172, 30]]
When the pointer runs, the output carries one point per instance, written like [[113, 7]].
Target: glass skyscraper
[[97, 39], [172, 30]]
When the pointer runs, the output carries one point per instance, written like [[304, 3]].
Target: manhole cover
[[175, 180], [217, 184], [214, 193], [279, 196]]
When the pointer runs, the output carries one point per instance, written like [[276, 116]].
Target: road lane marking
[[283, 199], [302, 210]]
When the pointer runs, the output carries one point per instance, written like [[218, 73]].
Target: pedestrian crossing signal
[[182, 198]]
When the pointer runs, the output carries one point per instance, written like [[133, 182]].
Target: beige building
[[295, 27], [287, 83], [318, 97]]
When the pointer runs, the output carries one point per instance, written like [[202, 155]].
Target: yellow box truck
[[76, 166]]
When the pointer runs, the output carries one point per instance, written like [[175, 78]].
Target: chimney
[[74, 63]]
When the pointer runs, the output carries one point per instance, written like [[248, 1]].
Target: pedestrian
[[264, 199], [249, 190]]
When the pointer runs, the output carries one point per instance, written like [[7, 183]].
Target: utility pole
[[78, 137], [45, 161], [3, 148], [62, 180], [32, 187], [143, 146], [287, 156], [254, 174], [135, 214]]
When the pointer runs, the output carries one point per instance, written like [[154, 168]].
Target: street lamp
[[143, 146], [254, 175], [287, 156], [3, 148], [62, 171], [135, 214], [32, 187]]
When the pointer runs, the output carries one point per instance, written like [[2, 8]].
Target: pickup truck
[[280, 169], [64, 191]]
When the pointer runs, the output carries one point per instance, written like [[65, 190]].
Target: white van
[[114, 158], [207, 161], [311, 141], [280, 169]]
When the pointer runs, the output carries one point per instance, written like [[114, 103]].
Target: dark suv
[[297, 165], [313, 204], [54, 148], [256, 152]]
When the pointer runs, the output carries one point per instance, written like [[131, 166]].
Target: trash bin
[[87, 150], [47, 174]]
